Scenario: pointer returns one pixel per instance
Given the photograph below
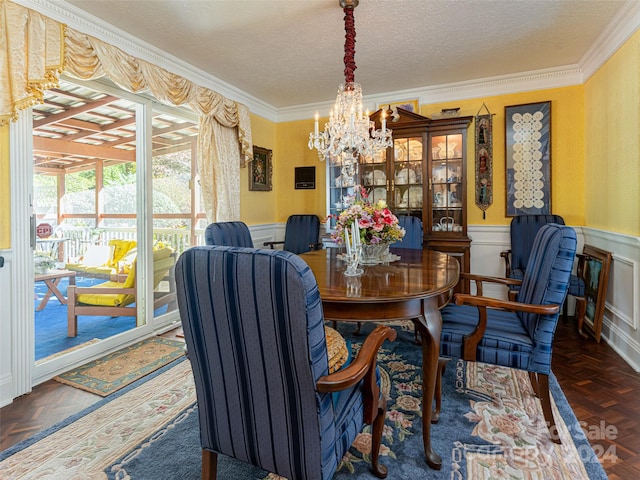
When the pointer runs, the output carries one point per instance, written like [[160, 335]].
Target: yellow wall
[[293, 151], [5, 191], [288, 141], [259, 207], [567, 151], [612, 126]]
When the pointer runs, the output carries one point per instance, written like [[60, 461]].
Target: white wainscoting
[[268, 232], [620, 326], [7, 380]]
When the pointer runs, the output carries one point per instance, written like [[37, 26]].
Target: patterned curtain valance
[[34, 50], [88, 58], [31, 58]]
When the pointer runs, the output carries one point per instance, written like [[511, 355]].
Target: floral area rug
[[117, 370], [490, 428]]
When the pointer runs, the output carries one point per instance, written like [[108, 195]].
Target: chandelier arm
[[349, 45]]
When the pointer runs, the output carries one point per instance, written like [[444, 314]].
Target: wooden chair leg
[[379, 470], [534, 383], [545, 399], [209, 465], [442, 365], [72, 318]]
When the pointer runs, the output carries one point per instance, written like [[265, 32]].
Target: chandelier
[[349, 132]]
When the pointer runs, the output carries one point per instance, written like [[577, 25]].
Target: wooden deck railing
[[79, 238]]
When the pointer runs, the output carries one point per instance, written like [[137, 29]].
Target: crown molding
[[478, 88], [80, 20], [625, 23]]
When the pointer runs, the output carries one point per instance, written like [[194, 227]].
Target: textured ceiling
[[290, 52]]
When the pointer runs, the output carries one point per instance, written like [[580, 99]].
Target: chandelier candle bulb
[[316, 124], [384, 122]]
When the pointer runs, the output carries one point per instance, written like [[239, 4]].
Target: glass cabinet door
[[373, 175], [407, 188], [340, 192], [447, 183]]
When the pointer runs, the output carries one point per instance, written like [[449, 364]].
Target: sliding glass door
[[114, 202]]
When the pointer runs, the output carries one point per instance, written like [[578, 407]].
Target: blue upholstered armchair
[[413, 232], [516, 334], [231, 234], [255, 335], [300, 235], [523, 232]]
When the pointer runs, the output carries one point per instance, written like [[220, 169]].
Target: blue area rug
[[51, 322], [457, 436]]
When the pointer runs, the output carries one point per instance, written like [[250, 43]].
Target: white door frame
[[24, 374]]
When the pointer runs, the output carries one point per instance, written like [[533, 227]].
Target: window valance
[[34, 50]]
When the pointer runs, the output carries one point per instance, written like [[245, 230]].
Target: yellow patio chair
[[116, 299], [105, 261]]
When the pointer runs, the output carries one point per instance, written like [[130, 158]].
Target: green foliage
[[80, 181], [120, 174]]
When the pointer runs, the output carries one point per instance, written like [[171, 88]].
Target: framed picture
[[528, 159], [593, 267], [409, 105], [260, 170]]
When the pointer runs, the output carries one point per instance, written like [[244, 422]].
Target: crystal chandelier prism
[[349, 132]]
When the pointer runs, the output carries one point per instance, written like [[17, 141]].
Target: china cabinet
[[423, 175]]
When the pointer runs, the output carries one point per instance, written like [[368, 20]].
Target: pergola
[[80, 128]]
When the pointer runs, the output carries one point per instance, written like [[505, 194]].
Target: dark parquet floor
[[602, 389]]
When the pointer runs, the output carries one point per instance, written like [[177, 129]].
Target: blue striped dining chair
[[301, 234], [516, 334], [230, 234], [255, 335], [522, 232]]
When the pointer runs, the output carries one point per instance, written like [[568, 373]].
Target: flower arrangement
[[376, 222]]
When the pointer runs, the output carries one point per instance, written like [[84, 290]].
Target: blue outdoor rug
[[51, 322], [490, 427]]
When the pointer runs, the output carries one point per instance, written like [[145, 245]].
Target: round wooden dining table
[[413, 287]]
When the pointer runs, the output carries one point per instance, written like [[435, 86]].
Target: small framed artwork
[[409, 105], [528, 159], [593, 268], [260, 170]]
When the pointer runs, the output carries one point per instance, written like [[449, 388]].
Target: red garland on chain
[[349, 45]]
